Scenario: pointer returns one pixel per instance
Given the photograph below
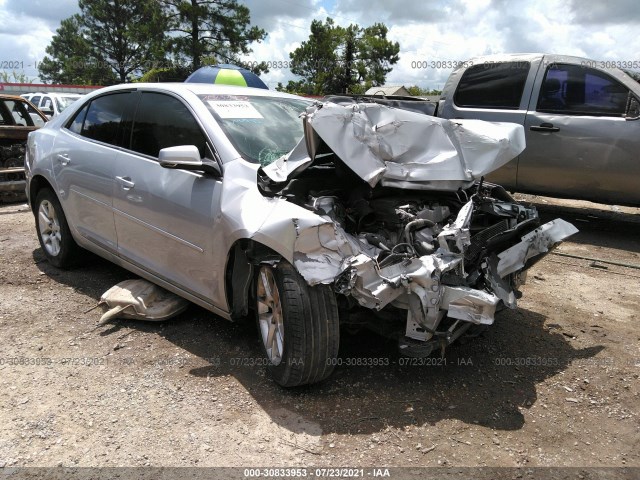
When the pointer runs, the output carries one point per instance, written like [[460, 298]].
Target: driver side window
[[164, 121], [578, 90]]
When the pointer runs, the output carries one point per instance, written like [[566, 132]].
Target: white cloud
[[432, 30], [24, 35], [287, 24]]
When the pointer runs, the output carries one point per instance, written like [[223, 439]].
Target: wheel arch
[[243, 256], [36, 184]]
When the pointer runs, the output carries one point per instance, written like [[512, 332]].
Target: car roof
[[514, 57], [198, 89], [58, 94]]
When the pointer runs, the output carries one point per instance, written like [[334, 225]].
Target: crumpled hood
[[399, 148]]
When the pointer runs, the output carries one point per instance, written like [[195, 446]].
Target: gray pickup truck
[[581, 120]]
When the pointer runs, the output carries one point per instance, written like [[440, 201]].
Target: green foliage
[[110, 41], [114, 41], [176, 73], [343, 59], [416, 91], [207, 32], [128, 34], [14, 77], [298, 88], [70, 58]]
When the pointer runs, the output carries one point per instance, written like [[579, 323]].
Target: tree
[[299, 88], [175, 73], [70, 59], [315, 59], [376, 54], [14, 77], [211, 31], [416, 91], [343, 59], [111, 40], [128, 34]]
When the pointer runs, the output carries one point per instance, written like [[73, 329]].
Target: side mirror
[[186, 157], [633, 108]]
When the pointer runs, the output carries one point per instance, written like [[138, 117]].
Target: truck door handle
[[125, 183], [63, 159], [544, 127]]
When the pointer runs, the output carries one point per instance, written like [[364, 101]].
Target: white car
[[52, 104]]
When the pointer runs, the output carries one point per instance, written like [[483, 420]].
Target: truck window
[[492, 85], [579, 90]]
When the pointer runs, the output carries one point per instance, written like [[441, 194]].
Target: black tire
[[311, 327], [67, 252]]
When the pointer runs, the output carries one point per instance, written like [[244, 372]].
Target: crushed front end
[[417, 238]]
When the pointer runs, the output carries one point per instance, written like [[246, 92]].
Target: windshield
[[261, 128], [64, 102]]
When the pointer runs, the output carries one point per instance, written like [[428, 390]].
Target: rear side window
[[579, 90], [492, 85], [47, 104], [76, 124], [104, 118], [164, 121]]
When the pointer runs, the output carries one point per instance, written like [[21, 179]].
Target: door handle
[[544, 127], [63, 159], [125, 183]]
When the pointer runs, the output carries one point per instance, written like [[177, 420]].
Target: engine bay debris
[[404, 219]]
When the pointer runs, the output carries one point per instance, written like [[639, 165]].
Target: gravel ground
[[553, 383]]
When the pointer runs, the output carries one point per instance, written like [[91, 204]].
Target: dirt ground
[[553, 383]]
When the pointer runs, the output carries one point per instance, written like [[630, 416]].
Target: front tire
[[53, 231], [298, 324]]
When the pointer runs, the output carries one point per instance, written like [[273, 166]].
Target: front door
[[579, 142], [164, 217]]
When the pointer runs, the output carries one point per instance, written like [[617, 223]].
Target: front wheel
[[53, 231], [298, 325]]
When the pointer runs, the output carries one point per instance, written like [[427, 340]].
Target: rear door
[[83, 163], [580, 143], [164, 217], [496, 91]]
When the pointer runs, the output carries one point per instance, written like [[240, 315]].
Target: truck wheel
[[298, 325], [55, 237]]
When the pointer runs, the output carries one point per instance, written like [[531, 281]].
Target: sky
[[431, 33]]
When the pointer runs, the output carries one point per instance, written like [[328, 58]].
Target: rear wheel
[[298, 325], [53, 231]]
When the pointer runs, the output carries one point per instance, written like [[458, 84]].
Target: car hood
[[399, 148]]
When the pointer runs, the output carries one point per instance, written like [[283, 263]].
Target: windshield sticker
[[237, 109]]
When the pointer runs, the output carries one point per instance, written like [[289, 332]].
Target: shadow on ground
[[486, 380]]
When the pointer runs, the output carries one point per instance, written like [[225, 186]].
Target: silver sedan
[[257, 203]]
